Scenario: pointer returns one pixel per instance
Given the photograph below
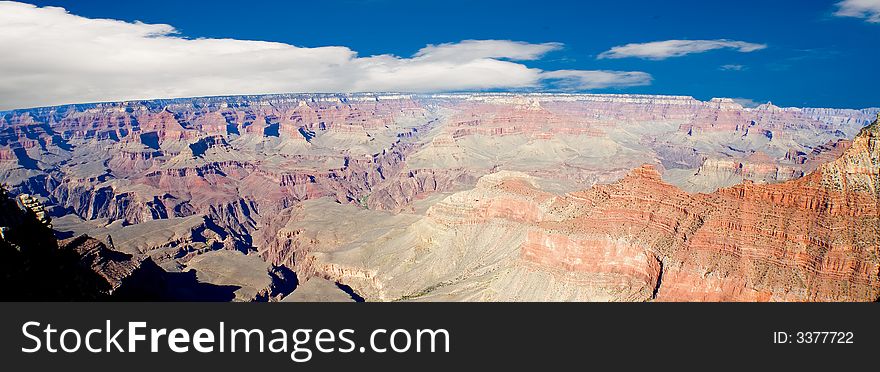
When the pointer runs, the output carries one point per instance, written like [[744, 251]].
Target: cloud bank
[[52, 57], [586, 80], [867, 9], [659, 50], [747, 102]]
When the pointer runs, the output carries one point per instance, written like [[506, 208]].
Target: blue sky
[[809, 54]]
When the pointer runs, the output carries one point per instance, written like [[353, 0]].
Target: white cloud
[[658, 50], [53, 57], [867, 9], [733, 68], [747, 102], [475, 49], [586, 80]]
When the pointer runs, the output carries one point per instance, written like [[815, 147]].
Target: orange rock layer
[[812, 239]]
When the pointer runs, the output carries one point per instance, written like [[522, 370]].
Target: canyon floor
[[454, 197]]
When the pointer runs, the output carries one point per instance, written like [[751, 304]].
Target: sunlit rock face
[[484, 197]]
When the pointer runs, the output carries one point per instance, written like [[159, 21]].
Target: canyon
[[454, 197]]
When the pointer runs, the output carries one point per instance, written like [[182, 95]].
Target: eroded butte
[[461, 197]]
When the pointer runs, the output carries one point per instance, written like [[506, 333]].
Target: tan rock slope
[[812, 239], [472, 196]]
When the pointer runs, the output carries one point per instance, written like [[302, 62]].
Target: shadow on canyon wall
[[35, 267]]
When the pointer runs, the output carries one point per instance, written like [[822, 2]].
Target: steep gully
[[240, 219]]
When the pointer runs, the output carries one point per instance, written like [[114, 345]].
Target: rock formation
[[489, 196], [811, 239]]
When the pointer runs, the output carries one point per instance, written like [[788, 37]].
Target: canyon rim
[[443, 197]]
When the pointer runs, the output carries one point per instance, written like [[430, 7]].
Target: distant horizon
[[510, 92]]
